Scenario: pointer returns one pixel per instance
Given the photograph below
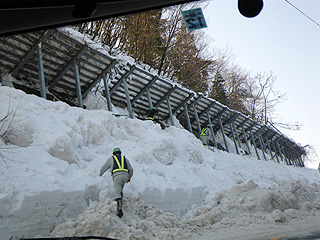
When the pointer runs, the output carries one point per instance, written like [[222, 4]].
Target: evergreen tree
[[218, 91]]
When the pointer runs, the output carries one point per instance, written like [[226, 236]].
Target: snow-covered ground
[[51, 156]]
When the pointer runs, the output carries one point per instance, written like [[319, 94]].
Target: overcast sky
[[280, 40]]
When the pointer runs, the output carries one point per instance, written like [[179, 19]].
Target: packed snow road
[[311, 233]]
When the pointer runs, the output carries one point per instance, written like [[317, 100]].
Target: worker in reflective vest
[[151, 116], [205, 134], [121, 172], [151, 113]]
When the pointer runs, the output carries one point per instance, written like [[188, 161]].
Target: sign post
[[194, 19]]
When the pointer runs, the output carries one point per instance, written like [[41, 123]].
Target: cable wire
[[303, 13]]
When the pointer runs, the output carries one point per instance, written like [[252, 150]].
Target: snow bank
[[51, 155], [23, 214], [244, 205]]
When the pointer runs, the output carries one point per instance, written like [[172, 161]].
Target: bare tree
[[263, 98], [233, 79], [110, 31], [5, 131]]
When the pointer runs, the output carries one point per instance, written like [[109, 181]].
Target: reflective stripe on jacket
[[203, 131], [119, 167]]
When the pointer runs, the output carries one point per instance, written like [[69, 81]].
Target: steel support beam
[[190, 105], [245, 134], [170, 110], [234, 138], [205, 110], [68, 66], [187, 117], [220, 114], [297, 157], [31, 51], [197, 118], [183, 103], [149, 98], [246, 139], [125, 76], [275, 152], [269, 147], [107, 91], [280, 153], [166, 95], [301, 161], [126, 89], [293, 156], [107, 70], [222, 131], [78, 86], [42, 84], [298, 160], [228, 121], [249, 129], [211, 130], [154, 79], [275, 148], [289, 154], [254, 144], [262, 145], [232, 118], [237, 135], [286, 154], [258, 133]]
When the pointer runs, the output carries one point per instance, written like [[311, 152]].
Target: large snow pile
[[245, 205], [51, 155]]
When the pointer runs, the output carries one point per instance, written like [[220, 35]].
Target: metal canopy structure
[[61, 64]]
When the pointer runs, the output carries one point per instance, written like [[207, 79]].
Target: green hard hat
[[116, 150], [208, 125], [154, 108]]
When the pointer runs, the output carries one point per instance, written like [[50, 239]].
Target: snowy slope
[[50, 172]]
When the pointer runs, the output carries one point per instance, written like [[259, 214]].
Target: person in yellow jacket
[[205, 135], [121, 172]]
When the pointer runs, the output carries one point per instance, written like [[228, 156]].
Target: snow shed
[[61, 64]]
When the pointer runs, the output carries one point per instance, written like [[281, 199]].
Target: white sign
[[194, 19]]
